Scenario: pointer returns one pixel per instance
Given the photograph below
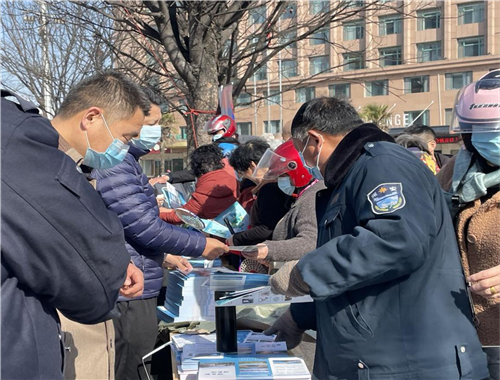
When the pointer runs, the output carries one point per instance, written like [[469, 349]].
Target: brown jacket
[[89, 349], [478, 234]]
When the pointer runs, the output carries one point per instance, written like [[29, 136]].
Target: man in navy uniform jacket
[[390, 295]]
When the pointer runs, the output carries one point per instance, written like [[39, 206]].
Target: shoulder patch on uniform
[[387, 198]]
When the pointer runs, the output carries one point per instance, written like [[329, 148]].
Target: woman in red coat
[[216, 188]]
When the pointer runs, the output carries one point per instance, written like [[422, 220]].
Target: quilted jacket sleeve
[[123, 193]]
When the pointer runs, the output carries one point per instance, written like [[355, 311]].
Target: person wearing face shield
[[62, 250], [126, 191], [244, 160], [390, 296], [295, 234], [472, 184]]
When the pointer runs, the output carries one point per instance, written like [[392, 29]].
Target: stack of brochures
[[253, 367], [190, 297], [194, 352]]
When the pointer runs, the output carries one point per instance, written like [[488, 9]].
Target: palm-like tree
[[377, 114]]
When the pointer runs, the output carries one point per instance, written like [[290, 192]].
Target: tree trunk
[[204, 96]]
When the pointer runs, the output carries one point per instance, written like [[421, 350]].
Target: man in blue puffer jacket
[[126, 191]]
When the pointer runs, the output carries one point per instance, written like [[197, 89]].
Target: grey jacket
[[296, 233]]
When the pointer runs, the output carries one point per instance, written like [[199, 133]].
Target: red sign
[[448, 140]]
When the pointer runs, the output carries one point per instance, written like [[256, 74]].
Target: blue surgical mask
[[114, 154], [216, 137], [285, 185], [488, 146], [313, 170], [150, 134]]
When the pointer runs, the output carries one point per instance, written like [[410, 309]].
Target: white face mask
[[313, 170], [285, 185]]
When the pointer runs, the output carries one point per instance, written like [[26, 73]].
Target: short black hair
[[205, 159], [422, 130], [252, 151], [332, 116], [153, 96], [114, 92]]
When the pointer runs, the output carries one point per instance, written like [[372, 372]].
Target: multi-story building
[[412, 56]]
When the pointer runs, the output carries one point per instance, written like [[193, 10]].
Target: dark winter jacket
[[215, 192], [390, 294], [126, 191], [246, 198], [271, 205], [61, 247]]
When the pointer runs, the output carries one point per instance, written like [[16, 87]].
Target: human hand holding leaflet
[[259, 252], [214, 248], [288, 281]]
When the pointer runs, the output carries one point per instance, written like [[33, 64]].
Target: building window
[[243, 99], [258, 15], [470, 13], [290, 11], [273, 98], [455, 81], [320, 37], [377, 88], [428, 52], [355, 4], [183, 133], [353, 61], [305, 94], [274, 127], [317, 7], [470, 47], [151, 167], [447, 115], [412, 115], [287, 37], [415, 85], [353, 31], [429, 19], [342, 91], [244, 129], [319, 64], [390, 56], [390, 25], [289, 68], [261, 74]]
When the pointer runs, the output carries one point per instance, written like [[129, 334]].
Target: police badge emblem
[[387, 198]]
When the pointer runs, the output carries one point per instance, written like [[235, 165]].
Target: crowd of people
[[397, 244]]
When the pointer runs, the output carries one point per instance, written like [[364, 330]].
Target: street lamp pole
[[47, 98]]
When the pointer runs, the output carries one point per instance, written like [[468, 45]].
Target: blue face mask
[[114, 154], [150, 134], [488, 146], [285, 185], [313, 170]]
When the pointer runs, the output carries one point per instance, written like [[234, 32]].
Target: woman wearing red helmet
[[295, 234], [221, 126]]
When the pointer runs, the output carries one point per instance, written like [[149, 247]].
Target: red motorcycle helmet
[[283, 160], [219, 123]]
